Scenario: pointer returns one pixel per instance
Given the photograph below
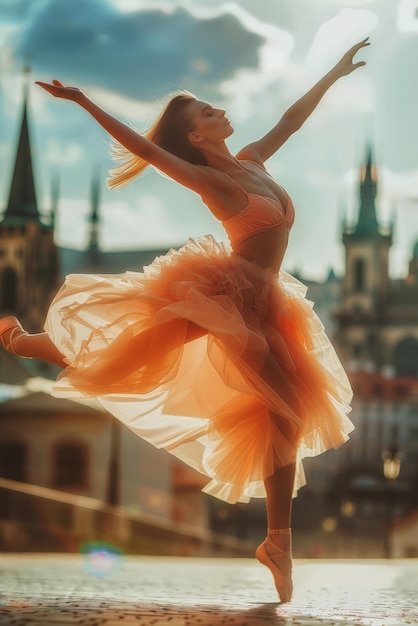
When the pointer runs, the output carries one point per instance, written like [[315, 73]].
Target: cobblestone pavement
[[100, 590]]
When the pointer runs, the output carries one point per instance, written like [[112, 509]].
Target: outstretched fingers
[[354, 49], [346, 65], [59, 90], [361, 44], [358, 64]]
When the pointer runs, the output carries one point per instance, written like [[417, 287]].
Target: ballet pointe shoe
[[11, 332], [279, 562]]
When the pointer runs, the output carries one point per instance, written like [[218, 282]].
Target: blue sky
[[252, 58]]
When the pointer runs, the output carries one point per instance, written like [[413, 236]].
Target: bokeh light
[[100, 558]]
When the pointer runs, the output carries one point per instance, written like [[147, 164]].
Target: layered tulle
[[208, 356]]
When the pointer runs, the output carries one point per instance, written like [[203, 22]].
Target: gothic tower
[[366, 285], [29, 268], [94, 215], [413, 266]]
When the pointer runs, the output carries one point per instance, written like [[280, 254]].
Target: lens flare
[[100, 558]]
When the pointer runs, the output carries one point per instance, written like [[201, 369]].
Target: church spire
[[94, 215], [22, 204], [55, 192], [367, 224]]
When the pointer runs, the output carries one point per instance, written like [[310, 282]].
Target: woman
[[212, 352]]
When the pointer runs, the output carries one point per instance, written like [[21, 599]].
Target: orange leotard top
[[260, 215]]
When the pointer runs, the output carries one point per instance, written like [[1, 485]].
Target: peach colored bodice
[[261, 214]]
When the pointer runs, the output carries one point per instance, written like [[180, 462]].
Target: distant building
[[326, 297], [79, 448], [377, 322], [376, 336], [405, 537], [385, 413], [29, 260]]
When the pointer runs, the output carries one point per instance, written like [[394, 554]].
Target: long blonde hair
[[169, 131]]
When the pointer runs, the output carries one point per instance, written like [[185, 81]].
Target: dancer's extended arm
[[299, 112], [192, 176]]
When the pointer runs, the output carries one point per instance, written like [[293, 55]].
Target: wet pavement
[[101, 589]]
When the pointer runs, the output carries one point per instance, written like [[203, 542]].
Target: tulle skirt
[[210, 357]]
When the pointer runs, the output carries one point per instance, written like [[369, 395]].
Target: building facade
[[376, 337], [377, 321], [29, 258]]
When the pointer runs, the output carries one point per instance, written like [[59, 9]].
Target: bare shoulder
[[250, 153]]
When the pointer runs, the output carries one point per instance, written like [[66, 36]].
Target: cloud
[[338, 34], [399, 201], [139, 225], [71, 223], [148, 222], [346, 3], [401, 187], [141, 54], [396, 118], [13, 11], [323, 179], [62, 155], [408, 16]]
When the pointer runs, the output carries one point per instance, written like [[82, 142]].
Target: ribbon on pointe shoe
[[279, 562], [12, 326]]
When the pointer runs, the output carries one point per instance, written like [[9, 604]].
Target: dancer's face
[[209, 124]]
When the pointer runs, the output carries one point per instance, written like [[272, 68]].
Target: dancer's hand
[[59, 90], [346, 65]]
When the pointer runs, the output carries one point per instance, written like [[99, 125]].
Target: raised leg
[[33, 346], [39, 345]]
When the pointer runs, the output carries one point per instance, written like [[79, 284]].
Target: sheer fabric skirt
[[260, 386]]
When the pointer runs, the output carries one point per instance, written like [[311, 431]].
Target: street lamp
[[329, 524], [113, 475], [348, 508], [392, 460]]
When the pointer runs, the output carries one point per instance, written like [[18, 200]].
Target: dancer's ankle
[[279, 531], [281, 538]]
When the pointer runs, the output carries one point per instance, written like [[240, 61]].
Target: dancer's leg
[[276, 551], [35, 346], [279, 488], [148, 354], [40, 346]]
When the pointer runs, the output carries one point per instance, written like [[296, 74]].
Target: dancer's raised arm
[[299, 112], [184, 172]]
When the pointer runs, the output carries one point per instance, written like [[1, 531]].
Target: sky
[[253, 59]]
